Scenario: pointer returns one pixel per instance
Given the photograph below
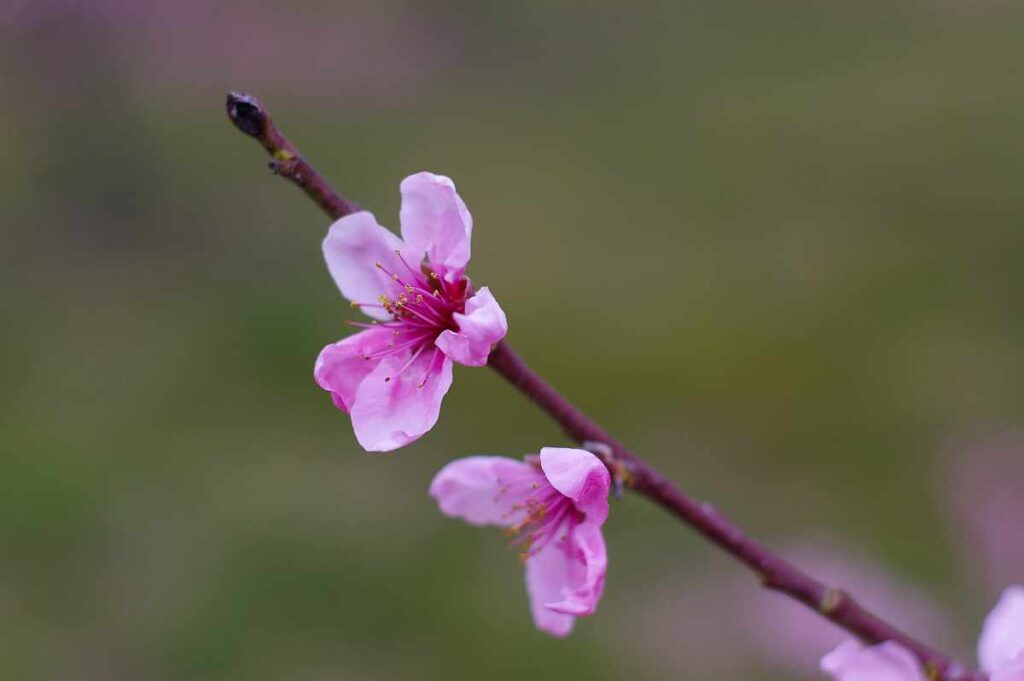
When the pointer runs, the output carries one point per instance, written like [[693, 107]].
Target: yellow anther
[[378, 265]]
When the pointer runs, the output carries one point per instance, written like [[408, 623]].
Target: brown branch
[[251, 117]]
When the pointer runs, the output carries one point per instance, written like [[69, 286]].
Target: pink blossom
[[888, 661], [554, 506], [980, 490], [392, 377], [1000, 650], [1001, 646]]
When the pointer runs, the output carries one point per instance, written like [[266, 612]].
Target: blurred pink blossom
[[793, 637], [723, 623], [555, 504], [981, 490], [852, 661], [1000, 650]]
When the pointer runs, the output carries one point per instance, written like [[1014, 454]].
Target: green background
[[773, 246]]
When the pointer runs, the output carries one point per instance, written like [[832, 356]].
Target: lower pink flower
[[1000, 650], [553, 505]]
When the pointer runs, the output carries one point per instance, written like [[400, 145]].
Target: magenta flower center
[[541, 513], [420, 312]]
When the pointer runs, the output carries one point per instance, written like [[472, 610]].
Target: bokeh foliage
[[774, 246]]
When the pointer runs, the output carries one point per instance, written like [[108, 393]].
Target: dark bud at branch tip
[[246, 112]]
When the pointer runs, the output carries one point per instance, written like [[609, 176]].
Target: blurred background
[[775, 247]]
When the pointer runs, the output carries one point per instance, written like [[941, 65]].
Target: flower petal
[[476, 489], [888, 661], [1014, 672], [1002, 637], [388, 414], [353, 247], [435, 220], [546, 574], [581, 476], [588, 564], [342, 366], [565, 579], [482, 326]]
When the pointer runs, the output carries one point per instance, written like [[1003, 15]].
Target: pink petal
[[341, 366], [588, 560], [482, 326], [581, 476], [475, 489], [546, 574], [353, 247], [1013, 672], [887, 661], [566, 578], [435, 220], [1002, 637], [386, 414]]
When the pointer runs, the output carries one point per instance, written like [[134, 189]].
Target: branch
[[251, 117], [774, 572]]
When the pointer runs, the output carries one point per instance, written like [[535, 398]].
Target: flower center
[[542, 513], [421, 308]]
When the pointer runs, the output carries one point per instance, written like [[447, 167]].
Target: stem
[[250, 116]]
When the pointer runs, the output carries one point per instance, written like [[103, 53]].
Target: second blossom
[[553, 506]]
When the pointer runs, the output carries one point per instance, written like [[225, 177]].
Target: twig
[[251, 117]]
